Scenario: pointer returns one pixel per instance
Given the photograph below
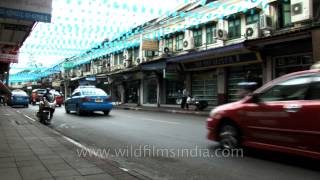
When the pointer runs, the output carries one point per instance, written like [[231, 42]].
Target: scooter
[[44, 111], [200, 104]]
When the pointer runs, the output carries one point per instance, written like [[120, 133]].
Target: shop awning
[[154, 65], [197, 55]]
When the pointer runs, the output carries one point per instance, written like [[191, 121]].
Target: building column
[[221, 83], [188, 82], [267, 70], [316, 45]]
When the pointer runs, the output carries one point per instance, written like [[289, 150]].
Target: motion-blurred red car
[[58, 97], [283, 115]]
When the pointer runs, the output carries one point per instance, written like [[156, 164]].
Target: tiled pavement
[[31, 151]]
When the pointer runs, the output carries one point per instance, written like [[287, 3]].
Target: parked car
[[283, 115], [88, 99], [36, 95], [58, 97], [18, 97]]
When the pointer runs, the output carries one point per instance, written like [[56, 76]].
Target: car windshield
[[93, 92], [19, 93]]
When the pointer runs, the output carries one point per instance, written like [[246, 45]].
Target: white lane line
[[29, 117], [161, 121]]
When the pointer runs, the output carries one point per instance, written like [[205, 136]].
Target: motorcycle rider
[[49, 98]]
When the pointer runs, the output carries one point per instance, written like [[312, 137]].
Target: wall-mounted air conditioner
[[265, 22], [188, 43], [301, 10], [221, 34], [252, 31], [126, 56], [138, 60]]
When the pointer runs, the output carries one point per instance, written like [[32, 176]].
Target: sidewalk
[[164, 109], [31, 151]]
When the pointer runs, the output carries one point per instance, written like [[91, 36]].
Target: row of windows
[[234, 31]]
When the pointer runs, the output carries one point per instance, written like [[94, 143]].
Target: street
[[124, 129]]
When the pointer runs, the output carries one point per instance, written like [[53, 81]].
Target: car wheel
[[106, 112], [67, 110], [229, 136], [79, 112], [27, 105]]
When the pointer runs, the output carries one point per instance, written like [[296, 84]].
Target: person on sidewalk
[[185, 95]]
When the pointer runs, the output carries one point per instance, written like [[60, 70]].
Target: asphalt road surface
[[173, 146]]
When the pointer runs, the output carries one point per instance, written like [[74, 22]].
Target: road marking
[[161, 121], [124, 169], [29, 118]]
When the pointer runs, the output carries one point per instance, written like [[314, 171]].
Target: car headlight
[[213, 112]]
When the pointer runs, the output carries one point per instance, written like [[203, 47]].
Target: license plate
[[19, 99], [99, 100]]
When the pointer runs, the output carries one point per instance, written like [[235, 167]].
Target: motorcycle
[[45, 108], [199, 104]]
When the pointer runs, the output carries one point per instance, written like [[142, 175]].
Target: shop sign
[[34, 10], [9, 58], [56, 83], [150, 45], [224, 61]]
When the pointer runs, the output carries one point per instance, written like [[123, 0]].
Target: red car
[[58, 97], [283, 115]]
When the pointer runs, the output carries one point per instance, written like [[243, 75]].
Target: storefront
[[173, 84], [132, 91], [291, 63], [150, 89], [204, 86], [238, 74]]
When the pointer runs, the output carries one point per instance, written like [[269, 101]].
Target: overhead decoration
[[78, 27]]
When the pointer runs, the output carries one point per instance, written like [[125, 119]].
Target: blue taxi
[[87, 99]]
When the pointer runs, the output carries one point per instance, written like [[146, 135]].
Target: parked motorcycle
[[199, 104], [46, 110]]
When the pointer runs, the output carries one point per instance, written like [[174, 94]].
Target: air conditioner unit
[[221, 34], [79, 73], [252, 31], [127, 64], [301, 10], [265, 22], [126, 55], [166, 50], [138, 60], [188, 43]]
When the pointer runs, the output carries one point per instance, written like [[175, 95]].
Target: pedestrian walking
[[185, 95]]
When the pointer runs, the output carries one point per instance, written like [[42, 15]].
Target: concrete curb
[[191, 112]]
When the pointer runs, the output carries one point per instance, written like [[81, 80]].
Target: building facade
[[207, 50]]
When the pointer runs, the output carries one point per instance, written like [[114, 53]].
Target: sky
[[78, 25]]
